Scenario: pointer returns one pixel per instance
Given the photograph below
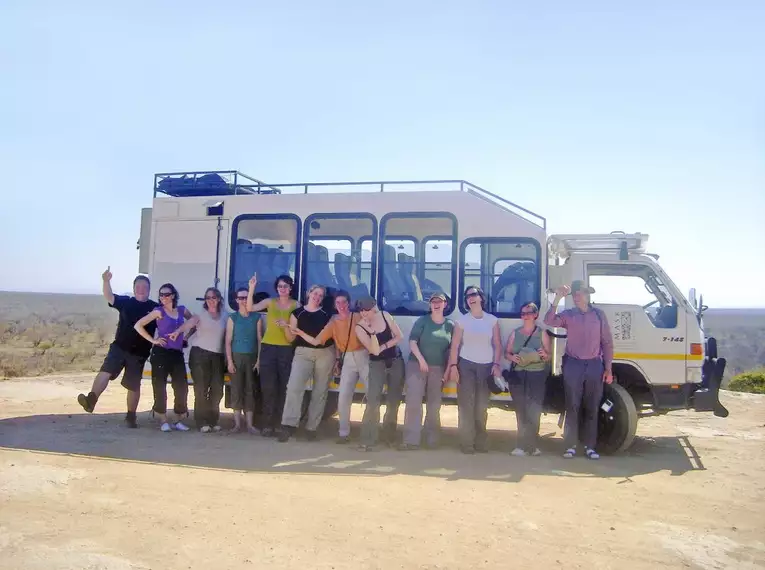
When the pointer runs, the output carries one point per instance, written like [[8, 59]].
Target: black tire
[[617, 427]]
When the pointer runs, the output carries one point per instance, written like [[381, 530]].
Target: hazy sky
[[642, 116]]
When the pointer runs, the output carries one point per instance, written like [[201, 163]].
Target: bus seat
[[408, 271], [343, 271], [666, 318], [281, 263], [393, 286], [323, 270]]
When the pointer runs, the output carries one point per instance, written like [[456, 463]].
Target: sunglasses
[[165, 294], [241, 298], [282, 286], [526, 313], [471, 295], [213, 298]]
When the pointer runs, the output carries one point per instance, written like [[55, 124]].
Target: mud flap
[[707, 399]]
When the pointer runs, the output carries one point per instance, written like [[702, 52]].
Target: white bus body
[[399, 241]]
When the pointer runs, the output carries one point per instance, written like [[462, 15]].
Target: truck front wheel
[[616, 427]]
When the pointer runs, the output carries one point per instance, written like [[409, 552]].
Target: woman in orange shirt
[[352, 361]]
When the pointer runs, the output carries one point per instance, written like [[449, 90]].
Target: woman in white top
[[206, 359], [474, 358]]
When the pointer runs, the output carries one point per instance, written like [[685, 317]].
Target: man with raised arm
[[129, 350], [586, 364]]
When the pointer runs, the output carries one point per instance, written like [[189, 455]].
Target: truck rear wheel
[[617, 427]]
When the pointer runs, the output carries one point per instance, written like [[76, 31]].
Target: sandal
[[570, 452], [591, 454]]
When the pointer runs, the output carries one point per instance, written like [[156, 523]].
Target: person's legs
[[433, 389], [301, 370], [415, 390], [466, 396], [370, 423], [131, 380], [268, 385], [247, 363], [285, 355], [573, 387], [520, 402], [237, 387], [200, 375], [159, 372], [535, 396], [482, 394], [395, 380], [113, 364], [593, 394], [215, 394], [322, 369], [355, 367], [180, 385]]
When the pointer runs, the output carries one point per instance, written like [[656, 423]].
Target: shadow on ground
[[103, 436]]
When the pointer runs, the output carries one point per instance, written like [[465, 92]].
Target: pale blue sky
[[595, 114]]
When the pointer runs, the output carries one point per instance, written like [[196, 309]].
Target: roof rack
[[209, 183], [563, 245]]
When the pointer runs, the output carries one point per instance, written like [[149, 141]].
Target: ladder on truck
[[561, 246]]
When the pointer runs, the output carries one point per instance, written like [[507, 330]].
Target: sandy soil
[[80, 491]]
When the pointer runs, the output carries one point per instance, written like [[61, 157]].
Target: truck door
[[190, 254], [647, 329]]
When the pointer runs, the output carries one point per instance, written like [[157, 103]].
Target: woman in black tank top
[[380, 335]]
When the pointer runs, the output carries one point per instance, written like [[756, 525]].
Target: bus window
[[508, 271], [337, 245], [265, 244], [416, 260]]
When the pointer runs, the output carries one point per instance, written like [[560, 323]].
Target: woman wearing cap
[[425, 373], [528, 349], [380, 335], [276, 352], [474, 357]]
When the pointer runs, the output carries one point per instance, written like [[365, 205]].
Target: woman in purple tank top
[[167, 356]]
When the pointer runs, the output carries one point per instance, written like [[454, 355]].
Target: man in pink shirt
[[586, 364]]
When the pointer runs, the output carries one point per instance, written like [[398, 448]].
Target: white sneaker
[[518, 452], [591, 453], [206, 429], [165, 427], [180, 426], [570, 452], [216, 429], [537, 452]]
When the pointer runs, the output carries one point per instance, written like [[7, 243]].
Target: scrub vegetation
[[45, 333]]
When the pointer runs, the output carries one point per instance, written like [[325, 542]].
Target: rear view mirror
[[692, 298]]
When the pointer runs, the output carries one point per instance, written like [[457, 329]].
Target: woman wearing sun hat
[[586, 364]]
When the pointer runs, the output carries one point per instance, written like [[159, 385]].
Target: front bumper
[[707, 397]]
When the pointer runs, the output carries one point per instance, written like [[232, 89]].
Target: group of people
[[273, 346]]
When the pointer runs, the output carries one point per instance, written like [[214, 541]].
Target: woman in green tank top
[[276, 350], [528, 348]]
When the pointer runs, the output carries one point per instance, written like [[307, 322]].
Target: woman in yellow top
[[276, 350]]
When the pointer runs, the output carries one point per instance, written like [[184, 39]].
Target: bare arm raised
[[106, 277]]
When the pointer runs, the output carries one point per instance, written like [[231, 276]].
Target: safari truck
[[401, 241]]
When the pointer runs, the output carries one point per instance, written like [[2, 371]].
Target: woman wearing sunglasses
[[528, 349], [242, 356], [167, 356], [276, 351], [474, 357]]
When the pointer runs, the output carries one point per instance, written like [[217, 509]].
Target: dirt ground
[[81, 491]]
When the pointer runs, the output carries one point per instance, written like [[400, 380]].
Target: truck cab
[[661, 360]]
